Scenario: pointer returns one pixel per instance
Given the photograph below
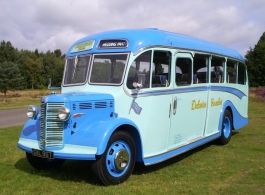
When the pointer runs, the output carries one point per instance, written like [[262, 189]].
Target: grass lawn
[[236, 168], [22, 98]]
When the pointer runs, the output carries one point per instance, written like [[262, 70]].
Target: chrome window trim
[[88, 67]]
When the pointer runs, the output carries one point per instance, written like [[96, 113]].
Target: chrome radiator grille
[[51, 128]]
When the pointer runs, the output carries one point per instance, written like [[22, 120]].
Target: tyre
[[226, 130], [116, 164], [43, 163]]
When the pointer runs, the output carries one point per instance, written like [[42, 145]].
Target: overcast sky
[[56, 24]]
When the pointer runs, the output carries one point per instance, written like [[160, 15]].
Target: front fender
[[97, 134], [31, 129]]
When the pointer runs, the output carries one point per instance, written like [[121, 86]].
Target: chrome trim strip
[[231, 90]]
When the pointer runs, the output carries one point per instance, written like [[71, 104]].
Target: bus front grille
[[51, 128]]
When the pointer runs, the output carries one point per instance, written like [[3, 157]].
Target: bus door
[[216, 96], [189, 103], [151, 108], [159, 111]]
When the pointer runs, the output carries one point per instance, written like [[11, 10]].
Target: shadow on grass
[[140, 168], [76, 171], [80, 171]]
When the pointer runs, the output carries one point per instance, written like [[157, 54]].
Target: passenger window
[[242, 74], [140, 71], [183, 71], [161, 69], [231, 71], [217, 70], [200, 69]]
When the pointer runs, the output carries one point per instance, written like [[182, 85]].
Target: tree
[[33, 69], [10, 77], [255, 61], [7, 52], [58, 53]]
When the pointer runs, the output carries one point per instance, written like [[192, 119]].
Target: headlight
[[33, 111], [63, 113]]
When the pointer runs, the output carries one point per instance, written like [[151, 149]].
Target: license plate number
[[42, 153]]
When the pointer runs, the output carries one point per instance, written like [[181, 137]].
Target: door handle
[[175, 105], [169, 111]]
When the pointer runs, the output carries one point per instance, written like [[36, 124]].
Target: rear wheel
[[226, 130], [116, 164], [43, 163]]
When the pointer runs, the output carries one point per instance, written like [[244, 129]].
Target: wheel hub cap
[[121, 160]]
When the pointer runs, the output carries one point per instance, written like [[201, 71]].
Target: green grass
[[236, 168], [22, 98]]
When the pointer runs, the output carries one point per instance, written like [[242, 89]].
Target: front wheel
[[43, 163], [116, 164], [226, 130]]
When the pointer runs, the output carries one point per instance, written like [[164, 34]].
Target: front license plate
[[42, 153]]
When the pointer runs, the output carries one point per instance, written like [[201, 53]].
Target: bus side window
[[200, 68], [161, 69], [231, 71], [139, 71], [217, 70], [241, 74], [183, 71]]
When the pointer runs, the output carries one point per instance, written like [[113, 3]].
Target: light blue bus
[[142, 95]]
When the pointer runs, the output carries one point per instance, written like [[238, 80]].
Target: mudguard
[[238, 120], [97, 134], [31, 129]]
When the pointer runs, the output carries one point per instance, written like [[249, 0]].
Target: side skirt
[[172, 153]]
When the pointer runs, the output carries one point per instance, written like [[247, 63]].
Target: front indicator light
[[63, 113], [33, 111]]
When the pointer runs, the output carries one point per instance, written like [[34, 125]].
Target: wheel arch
[[136, 138], [123, 125], [231, 111], [226, 106], [238, 121]]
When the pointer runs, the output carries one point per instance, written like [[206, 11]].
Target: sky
[[57, 24]]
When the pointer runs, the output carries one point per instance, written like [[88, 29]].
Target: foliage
[[7, 52], [255, 61], [260, 93], [10, 77], [36, 68]]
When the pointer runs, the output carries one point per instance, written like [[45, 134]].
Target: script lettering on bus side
[[197, 105], [216, 103]]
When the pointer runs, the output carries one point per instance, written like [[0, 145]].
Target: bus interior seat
[[231, 77], [185, 79], [195, 79], [213, 77], [178, 77], [159, 81], [201, 77]]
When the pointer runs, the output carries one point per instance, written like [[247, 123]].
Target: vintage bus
[[142, 95]]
